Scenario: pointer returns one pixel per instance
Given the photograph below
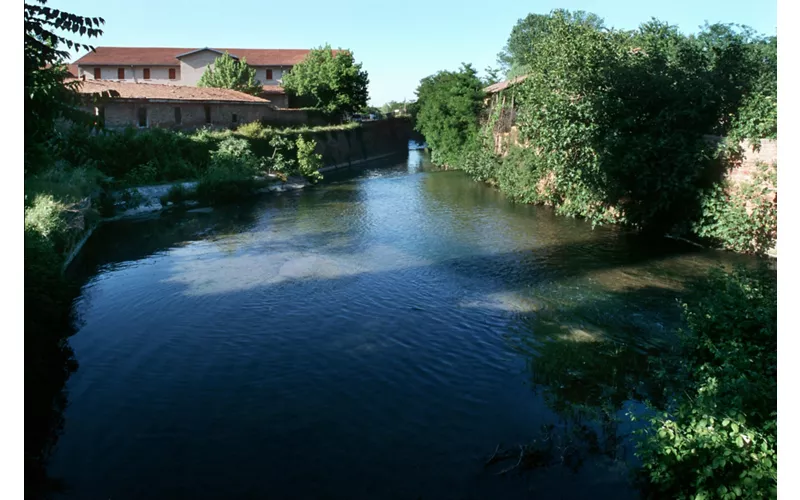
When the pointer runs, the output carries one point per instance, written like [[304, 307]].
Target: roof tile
[[167, 56], [124, 90]]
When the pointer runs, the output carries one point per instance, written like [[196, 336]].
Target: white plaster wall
[[193, 66], [158, 74], [277, 74]]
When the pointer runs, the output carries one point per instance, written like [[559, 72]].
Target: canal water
[[380, 335]]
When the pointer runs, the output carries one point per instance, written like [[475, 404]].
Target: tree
[[230, 73], [449, 105], [515, 58], [492, 76], [47, 98], [331, 80]]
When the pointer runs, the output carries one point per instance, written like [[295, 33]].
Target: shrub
[[252, 129], [44, 216], [142, 175], [64, 182], [308, 162], [742, 217], [231, 173], [718, 437]]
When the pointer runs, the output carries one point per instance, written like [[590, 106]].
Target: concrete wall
[[125, 113], [158, 74], [194, 65], [342, 148], [277, 74], [279, 101]]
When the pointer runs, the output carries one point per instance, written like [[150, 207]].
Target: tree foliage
[[515, 57], [616, 122], [230, 73], [47, 98], [331, 80], [449, 104]]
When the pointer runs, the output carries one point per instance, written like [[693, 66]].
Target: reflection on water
[[376, 336]]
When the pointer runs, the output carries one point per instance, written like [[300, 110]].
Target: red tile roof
[[167, 56], [497, 87], [155, 91], [273, 89]]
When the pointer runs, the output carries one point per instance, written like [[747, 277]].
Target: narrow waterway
[[376, 336]]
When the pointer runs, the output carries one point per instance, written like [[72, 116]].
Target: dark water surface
[[373, 337]]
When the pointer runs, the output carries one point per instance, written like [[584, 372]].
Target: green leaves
[[230, 73], [332, 82], [725, 373], [449, 104]]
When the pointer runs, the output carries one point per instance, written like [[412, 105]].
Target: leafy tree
[[48, 358], [492, 75], [331, 80], [516, 56], [47, 97], [230, 73], [449, 105]]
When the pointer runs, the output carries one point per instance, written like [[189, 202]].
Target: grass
[[258, 130]]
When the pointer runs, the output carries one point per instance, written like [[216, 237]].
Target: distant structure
[[185, 66]]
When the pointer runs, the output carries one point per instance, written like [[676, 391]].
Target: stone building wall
[[122, 114]]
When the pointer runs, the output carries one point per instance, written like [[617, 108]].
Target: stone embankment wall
[[373, 140]]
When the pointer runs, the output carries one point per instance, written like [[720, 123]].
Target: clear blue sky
[[398, 42]]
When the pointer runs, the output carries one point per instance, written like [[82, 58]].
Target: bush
[[45, 217], [136, 157], [252, 129], [308, 162], [64, 182], [231, 173], [718, 437], [742, 217]]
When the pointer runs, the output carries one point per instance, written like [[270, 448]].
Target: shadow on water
[[357, 298]]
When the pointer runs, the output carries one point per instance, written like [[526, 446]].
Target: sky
[[398, 43]]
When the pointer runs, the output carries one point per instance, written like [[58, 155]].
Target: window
[[208, 113], [172, 73], [142, 117], [177, 115], [146, 73], [269, 74], [97, 74], [234, 118], [120, 73]]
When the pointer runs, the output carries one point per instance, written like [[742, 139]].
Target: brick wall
[[744, 169]]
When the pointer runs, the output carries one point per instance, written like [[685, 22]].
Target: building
[[185, 66], [120, 104]]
